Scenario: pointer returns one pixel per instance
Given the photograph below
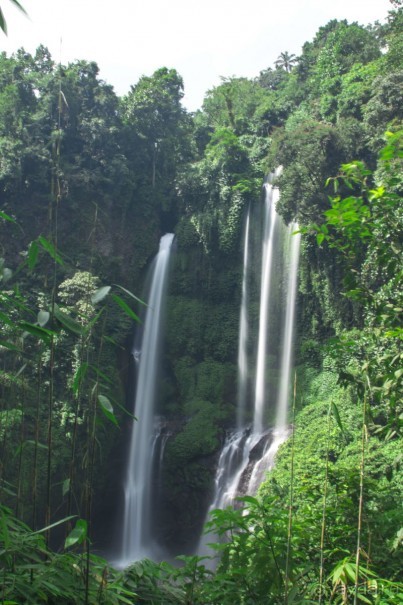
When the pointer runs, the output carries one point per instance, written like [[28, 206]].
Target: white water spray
[[243, 367], [286, 362], [271, 221], [137, 535], [248, 453]]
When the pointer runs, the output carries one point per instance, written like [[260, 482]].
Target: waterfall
[[137, 521], [249, 452], [243, 334], [272, 224], [286, 361], [281, 431]]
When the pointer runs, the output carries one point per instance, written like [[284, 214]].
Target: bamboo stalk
[[291, 505], [323, 528], [361, 498]]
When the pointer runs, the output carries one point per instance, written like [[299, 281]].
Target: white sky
[[203, 40]]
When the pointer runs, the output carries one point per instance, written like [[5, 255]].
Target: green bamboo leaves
[[77, 535], [3, 24], [107, 409], [103, 292], [47, 246]]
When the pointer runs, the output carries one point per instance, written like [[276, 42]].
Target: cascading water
[[243, 335], [286, 361], [272, 225], [137, 538], [249, 452], [281, 431]]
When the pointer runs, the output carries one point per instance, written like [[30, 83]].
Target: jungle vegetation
[[88, 183]]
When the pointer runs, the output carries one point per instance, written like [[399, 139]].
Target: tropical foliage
[[88, 183]]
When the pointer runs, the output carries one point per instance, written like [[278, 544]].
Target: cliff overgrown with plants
[[88, 183]]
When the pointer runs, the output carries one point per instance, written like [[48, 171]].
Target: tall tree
[[286, 61]]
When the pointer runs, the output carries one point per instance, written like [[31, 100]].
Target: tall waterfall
[[280, 432], [243, 334], [293, 241], [249, 452], [137, 535], [272, 225]]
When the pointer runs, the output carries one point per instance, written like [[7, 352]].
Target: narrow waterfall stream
[[248, 452], [243, 366], [137, 539], [293, 246]]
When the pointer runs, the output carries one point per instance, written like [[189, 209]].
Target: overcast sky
[[202, 40]]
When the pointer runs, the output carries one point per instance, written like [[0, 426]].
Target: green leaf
[[3, 215], [42, 333], [19, 6], [20, 371], [41, 531], [66, 487], [363, 599], [93, 321], [124, 410], [33, 252], [319, 238], [100, 294], [43, 318], [3, 24], [131, 294], [77, 535], [125, 307], [41, 446], [79, 376], [68, 322], [337, 417], [50, 249], [107, 409], [250, 500], [7, 274], [9, 345]]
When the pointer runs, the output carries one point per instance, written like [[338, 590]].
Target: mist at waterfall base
[[263, 396], [147, 439]]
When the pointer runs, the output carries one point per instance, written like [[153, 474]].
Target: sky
[[202, 40]]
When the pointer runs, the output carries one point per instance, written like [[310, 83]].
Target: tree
[[370, 219], [285, 61]]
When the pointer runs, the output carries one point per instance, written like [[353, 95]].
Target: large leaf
[[43, 318], [100, 294], [6, 274], [9, 345], [30, 442], [3, 215], [33, 252], [79, 376], [41, 531], [77, 535], [50, 249], [68, 322], [107, 409], [41, 333], [19, 6], [66, 487], [336, 415], [131, 294], [3, 24], [125, 307]]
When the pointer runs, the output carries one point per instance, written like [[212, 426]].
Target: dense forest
[[89, 182]]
